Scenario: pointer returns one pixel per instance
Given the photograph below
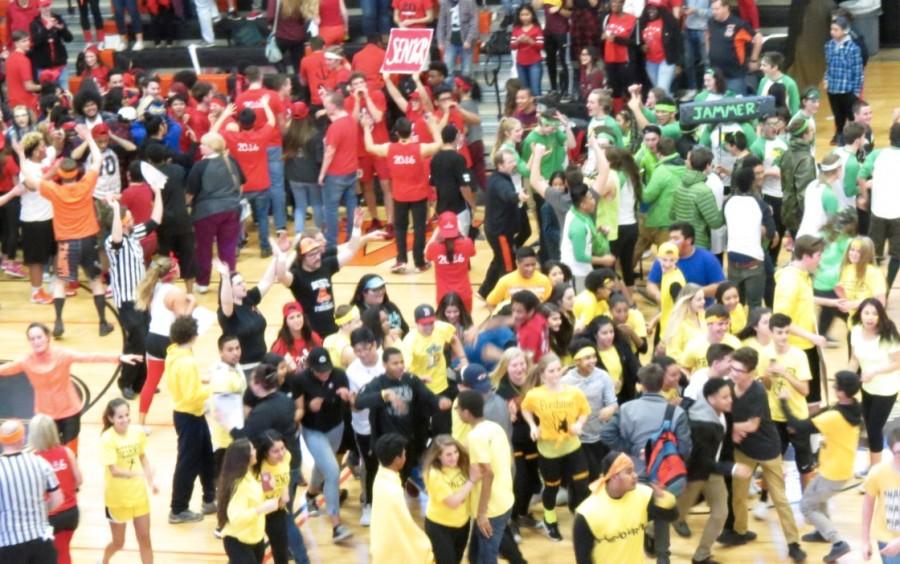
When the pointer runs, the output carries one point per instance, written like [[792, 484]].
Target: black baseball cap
[[319, 361], [425, 314]]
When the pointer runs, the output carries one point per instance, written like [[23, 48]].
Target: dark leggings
[[447, 543], [557, 63], [619, 76], [240, 553], [293, 53], [364, 446], [842, 108], [815, 383], [775, 204], [827, 313], [276, 531], [594, 453], [623, 249], [165, 26], [94, 7], [528, 480], [419, 211], [876, 410], [9, 228], [573, 467]]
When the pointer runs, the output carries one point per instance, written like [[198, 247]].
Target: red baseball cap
[[100, 130], [448, 225], [299, 110]]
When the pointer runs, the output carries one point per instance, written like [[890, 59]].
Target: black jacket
[[48, 47], [630, 366], [706, 437], [275, 411], [671, 39], [413, 424], [501, 210]]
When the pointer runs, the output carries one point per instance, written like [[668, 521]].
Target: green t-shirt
[[790, 87], [829, 272], [555, 157]]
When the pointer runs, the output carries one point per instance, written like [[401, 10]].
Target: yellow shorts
[[127, 513]]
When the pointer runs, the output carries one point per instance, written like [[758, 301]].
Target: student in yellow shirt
[[693, 357], [559, 332], [614, 356], [226, 378], [556, 414], [189, 394], [882, 486], [840, 431], [670, 286], [446, 469], [727, 295], [609, 524], [273, 467], [685, 322], [423, 354], [125, 494], [591, 302], [526, 276], [629, 322], [860, 276], [346, 317], [242, 505], [394, 535]]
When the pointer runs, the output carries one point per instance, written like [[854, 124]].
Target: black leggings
[[94, 7], [527, 481], [876, 410], [9, 228], [827, 313], [573, 467], [842, 108], [594, 453], [276, 531], [623, 249], [419, 211], [293, 53], [447, 543], [557, 63], [620, 76], [364, 446], [815, 383], [240, 553]]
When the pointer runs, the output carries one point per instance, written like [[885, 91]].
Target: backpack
[[247, 32], [498, 43], [663, 463]]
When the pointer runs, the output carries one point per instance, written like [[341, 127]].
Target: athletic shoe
[[813, 537], [41, 297], [375, 225], [424, 268], [209, 507], [682, 529], [138, 45], [14, 269], [760, 510], [366, 518], [796, 553], [106, 328], [186, 516], [730, 537], [128, 393], [217, 532], [514, 529], [708, 560], [552, 530], [312, 508], [201, 289], [72, 288], [58, 328], [340, 533], [399, 268], [838, 549]]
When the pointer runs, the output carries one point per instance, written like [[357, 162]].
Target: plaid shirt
[[843, 66]]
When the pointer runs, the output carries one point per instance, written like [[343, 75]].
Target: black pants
[[775, 204], [164, 25], [94, 7], [364, 446], [827, 313], [134, 324], [620, 76], [876, 410], [182, 244], [557, 61], [65, 520], [9, 228], [68, 427], [815, 384], [441, 421], [594, 453], [842, 108], [293, 53], [276, 532], [37, 551], [194, 458], [240, 553], [503, 261], [419, 211], [447, 543], [573, 467], [623, 249], [527, 480]]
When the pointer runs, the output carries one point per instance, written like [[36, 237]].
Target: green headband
[[665, 108], [801, 130]]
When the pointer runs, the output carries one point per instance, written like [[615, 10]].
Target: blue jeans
[[451, 52], [530, 76], [887, 559], [132, 8], [276, 188], [322, 447], [376, 17], [336, 191], [484, 550], [661, 75], [261, 204], [307, 194], [694, 56], [295, 539], [738, 84]]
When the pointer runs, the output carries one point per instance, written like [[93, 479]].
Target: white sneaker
[[366, 516], [121, 46], [138, 45], [760, 510], [146, 429], [201, 289]]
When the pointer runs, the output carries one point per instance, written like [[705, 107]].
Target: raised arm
[[538, 183], [394, 93], [226, 294], [379, 150]]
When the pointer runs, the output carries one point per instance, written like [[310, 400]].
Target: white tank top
[[161, 317]]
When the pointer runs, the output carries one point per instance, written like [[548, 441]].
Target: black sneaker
[[58, 329], [312, 508], [796, 553], [730, 537], [813, 537], [682, 529], [552, 530], [528, 521], [185, 516], [708, 560], [340, 533], [514, 529], [838, 549], [128, 393], [106, 328]]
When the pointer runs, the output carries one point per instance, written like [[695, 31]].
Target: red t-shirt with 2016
[[409, 177]]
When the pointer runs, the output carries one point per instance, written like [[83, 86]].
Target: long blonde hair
[[682, 311], [537, 373], [504, 131], [503, 367], [158, 269], [309, 9], [42, 433], [866, 255], [432, 457]]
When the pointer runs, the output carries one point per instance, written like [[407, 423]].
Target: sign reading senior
[[407, 51]]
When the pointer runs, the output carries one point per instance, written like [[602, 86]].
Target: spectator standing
[[590, 73], [339, 166], [452, 180], [884, 224], [696, 23], [21, 88], [528, 42], [304, 146], [19, 15], [556, 42], [843, 73], [662, 44], [49, 34], [727, 40], [457, 32], [618, 39], [797, 170], [290, 33], [771, 66], [749, 222], [695, 203]]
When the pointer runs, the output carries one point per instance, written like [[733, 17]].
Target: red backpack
[[664, 465]]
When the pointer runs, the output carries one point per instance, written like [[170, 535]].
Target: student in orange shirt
[[75, 228]]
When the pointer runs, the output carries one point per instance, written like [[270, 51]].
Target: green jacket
[[798, 169], [659, 192], [695, 203]]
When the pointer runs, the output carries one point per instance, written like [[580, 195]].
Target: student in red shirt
[[339, 166], [528, 41], [447, 105], [137, 198], [20, 85], [662, 44], [450, 252], [247, 144], [409, 177], [337, 69], [532, 331], [198, 112], [19, 15], [368, 61], [313, 71], [332, 21], [413, 13], [9, 212], [618, 37], [360, 102]]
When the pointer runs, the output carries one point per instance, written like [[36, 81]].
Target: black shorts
[[38, 242], [68, 428], [182, 246], [66, 520], [75, 253]]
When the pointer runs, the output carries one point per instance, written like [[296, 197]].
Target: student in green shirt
[[554, 132], [854, 137], [695, 203], [658, 194], [770, 64], [714, 87], [665, 110]]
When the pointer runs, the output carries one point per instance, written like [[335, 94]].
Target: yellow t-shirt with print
[[738, 319], [556, 411], [539, 284], [424, 356], [124, 452], [586, 307], [794, 298], [870, 285], [488, 444], [459, 429], [638, 324], [613, 365], [224, 380], [795, 363], [883, 483], [275, 478], [441, 484], [760, 349], [666, 301], [693, 357], [840, 440], [244, 523]]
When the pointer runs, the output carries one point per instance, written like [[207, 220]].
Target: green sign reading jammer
[[726, 110]]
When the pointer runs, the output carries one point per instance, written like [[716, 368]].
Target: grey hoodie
[[600, 391]]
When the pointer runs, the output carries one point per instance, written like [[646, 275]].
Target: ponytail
[[448, 245], [158, 268]]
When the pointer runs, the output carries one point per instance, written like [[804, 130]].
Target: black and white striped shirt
[[126, 262], [24, 480]]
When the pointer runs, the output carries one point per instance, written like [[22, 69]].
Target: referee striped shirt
[[126, 262], [24, 480]]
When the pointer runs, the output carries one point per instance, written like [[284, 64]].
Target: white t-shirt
[[743, 219], [718, 236], [110, 181], [359, 375], [773, 149], [626, 203], [694, 389], [34, 206], [814, 216], [885, 203], [875, 354]]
